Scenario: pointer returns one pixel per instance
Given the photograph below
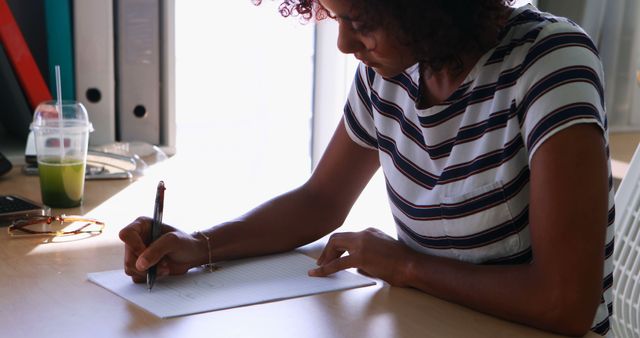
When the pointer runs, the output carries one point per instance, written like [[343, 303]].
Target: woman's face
[[379, 48]]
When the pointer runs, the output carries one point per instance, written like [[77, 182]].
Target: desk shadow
[[360, 312], [141, 321], [391, 312]]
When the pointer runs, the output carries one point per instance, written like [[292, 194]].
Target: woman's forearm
[[525, 293], [283, 223]]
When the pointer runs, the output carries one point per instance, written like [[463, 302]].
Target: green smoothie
[[61, 184]]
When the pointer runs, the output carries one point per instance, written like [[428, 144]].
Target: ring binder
[[95, 70], [138, 70]]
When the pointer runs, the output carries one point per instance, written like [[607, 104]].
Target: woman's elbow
[[572, 314], [576, 327]]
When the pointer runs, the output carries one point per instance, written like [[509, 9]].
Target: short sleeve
[[358, 114], [561, 84]]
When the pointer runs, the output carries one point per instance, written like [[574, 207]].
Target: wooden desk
[[44, 291]]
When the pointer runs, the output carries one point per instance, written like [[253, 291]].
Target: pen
[[155, 229]]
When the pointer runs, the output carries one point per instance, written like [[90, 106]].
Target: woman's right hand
[[174, 252]]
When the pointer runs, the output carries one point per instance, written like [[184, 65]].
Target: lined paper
[[235, 283]]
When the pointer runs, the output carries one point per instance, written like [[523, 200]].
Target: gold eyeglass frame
[[18, 228]]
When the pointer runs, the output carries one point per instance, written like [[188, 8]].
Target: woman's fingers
[[332, 260], [134, 246], [139, 257], [337, 245], [131, 235], [156, 251], [341, 263]]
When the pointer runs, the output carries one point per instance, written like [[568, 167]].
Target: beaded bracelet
[[210, 267]]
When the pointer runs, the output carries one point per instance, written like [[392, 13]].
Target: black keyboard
[[13, 204], [14, 207]]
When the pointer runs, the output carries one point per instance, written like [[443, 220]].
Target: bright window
[[244, 93]]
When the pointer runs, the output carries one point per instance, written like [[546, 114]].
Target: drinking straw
[[58, 86], [59, 104]]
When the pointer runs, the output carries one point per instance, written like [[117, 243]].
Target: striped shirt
[[457, 173]]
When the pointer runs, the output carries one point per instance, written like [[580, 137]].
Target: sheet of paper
[[235, 283]]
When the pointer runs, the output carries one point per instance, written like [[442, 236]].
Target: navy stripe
[[497, 119], [607, 281], [608, 249], [371, 76], [358, 130], [522, 18], [602, 328], [459, 93], [362, 92], [529, 16], [488, 199], [404, 165], [393, 111], [477, 204], [416, 212], [482, 163], [412, 89], [545, 46], [442, 150], [559, 117], [611, 216], [406, 82], [472, 132], [559, 78], [501, 52], [492, 235], [562, 77], [479, 94], [555, 41], [509, 77], [428, 180]]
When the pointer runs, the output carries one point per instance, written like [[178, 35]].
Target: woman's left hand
[[370, 251]]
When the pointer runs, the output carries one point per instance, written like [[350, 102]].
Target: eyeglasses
[[55, 226]]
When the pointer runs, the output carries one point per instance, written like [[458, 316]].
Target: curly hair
[[456, 27]]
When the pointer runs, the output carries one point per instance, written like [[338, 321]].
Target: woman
[[489, 125]]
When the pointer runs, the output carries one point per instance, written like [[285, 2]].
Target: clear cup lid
[[66, 114]]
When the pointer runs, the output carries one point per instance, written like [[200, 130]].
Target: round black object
[[140, 111], [94, 95]]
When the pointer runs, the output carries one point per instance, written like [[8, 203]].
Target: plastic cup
[[61, 131]]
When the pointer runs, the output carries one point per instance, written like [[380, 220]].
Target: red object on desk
[[25, 67]]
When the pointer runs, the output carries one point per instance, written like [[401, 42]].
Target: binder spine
[[94, 65], [138, 70], [168, 77]]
